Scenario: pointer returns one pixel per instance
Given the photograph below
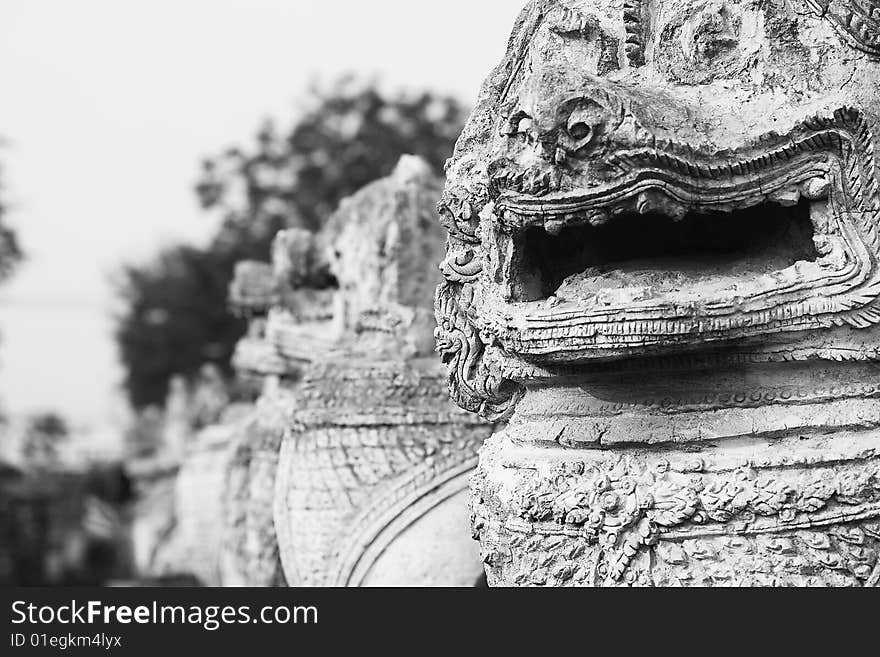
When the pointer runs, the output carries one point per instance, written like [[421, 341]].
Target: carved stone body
[[249, 548], [373, 474], [195, 545], [373, 483], [663, 266], [176, 529]]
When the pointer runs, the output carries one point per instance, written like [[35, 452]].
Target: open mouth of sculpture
[[638, 257], [655, 265]]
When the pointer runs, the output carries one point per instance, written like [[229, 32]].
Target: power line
[[54, 301]]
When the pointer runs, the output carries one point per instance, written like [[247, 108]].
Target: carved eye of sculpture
[[583, 125], [580, 130]]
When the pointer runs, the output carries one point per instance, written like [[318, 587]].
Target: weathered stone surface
[[372, 476], [664, 266]]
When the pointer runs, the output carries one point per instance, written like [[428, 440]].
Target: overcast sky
[[107, 107]]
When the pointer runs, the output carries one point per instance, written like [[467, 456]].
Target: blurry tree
[[346, 136], [10, 253], [43, 437], [10, 257], [143, 436], [176, 318]]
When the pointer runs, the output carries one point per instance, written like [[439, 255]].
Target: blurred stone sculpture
[[194, 546], [177, 525], [372, 477], [249, 548], [289, 306], [162, 439], [152, 518], [206, 501], [664, 266]]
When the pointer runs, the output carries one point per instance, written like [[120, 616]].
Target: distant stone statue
[[374, 468], [177, 427], [289, 306], [663, 265]]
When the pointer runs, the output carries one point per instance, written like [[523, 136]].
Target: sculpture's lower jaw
[[798, 509]]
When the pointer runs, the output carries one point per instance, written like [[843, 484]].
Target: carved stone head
[[381, 246], [646, 178]]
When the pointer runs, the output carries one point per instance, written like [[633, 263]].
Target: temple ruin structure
[[663, 266]]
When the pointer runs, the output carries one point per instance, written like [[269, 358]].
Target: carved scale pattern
[[346, 472]]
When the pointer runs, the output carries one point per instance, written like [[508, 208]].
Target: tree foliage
[[43, 436], [10, 251], [175, 319], [346, 136], [10, 255]]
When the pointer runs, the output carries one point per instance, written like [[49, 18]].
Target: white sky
[[107, 107]]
